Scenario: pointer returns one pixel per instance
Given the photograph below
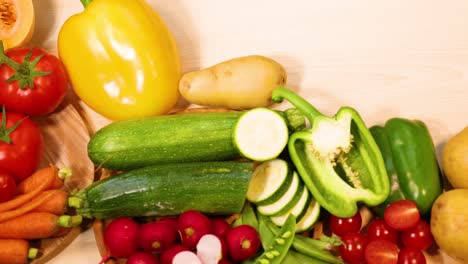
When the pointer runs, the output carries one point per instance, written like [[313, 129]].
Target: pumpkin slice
[[17, 22]]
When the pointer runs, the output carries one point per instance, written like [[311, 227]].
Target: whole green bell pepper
[[337, 158], [411, 162]]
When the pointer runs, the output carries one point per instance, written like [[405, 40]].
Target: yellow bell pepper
[[122, 59]]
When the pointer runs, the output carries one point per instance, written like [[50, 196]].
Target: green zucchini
[[191, 137], [287, 201], [170, 189], [270, 181], [261, 134]]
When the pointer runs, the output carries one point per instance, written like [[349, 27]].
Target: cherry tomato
[[381, 251], [35, 88], [7, 186], [342, 226], [378, 229], [402, 215], [411, 256], [419, 237], [21, 148], [353, 250]]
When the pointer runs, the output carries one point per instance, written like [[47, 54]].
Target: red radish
[[243, 241], [120, 237], [157, 236], [220, 227], [169, 220], [210, 249], [192, 226], [168, 255], [142, 257], [186, 257]]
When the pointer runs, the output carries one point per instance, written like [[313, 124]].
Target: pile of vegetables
[[246, 184], [191, 237], [33, 84], [37, 209]]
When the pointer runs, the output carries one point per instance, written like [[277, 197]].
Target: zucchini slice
[[298, 211], [260, 134], [310, 217], [286, 201], [269, 182]]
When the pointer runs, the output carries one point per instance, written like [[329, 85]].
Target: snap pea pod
[[266, 236], [249, 217], [310, 247], [282, 242], [301, 258]]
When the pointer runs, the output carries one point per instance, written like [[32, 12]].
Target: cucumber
[[298, 211], [269, 182], [260, 134], [170, 189], [192, 137], [286, 201], [309, 218]]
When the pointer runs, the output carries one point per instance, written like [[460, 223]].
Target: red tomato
[[381, 251], [411, 256], [30, 92], [342, 226], [402, 215], [353, 252], [378, 229], [20, 149], [7, 186], [419, 237]]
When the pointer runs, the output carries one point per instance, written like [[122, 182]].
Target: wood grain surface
[[385, 58]]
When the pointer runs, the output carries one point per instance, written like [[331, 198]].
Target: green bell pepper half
[[337, 158], [411, 162]]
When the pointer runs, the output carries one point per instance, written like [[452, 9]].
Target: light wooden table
[[385, 58]]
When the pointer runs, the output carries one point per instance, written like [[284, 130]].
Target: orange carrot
[[27, 207], [36, 225], [16, 251], [57, 204], [31, 183], [21, 199]]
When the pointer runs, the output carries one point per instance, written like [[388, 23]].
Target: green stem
[[281, 93], [5, 59], [75, 202], [64, 221], [85, 2], [64, 173], [32, 253]]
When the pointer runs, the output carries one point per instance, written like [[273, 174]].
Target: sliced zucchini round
[[287, 201], [270, 181], [298, 211], [310, 217], [260, 134]]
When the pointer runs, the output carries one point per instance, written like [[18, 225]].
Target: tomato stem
[[5, 59], [4, 132], [25, 73]]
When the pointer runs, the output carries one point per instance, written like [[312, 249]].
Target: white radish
[[186, 257], [210, 249]]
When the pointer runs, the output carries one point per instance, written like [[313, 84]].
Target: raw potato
[[240, 83], [449, 223], [455, 159]]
